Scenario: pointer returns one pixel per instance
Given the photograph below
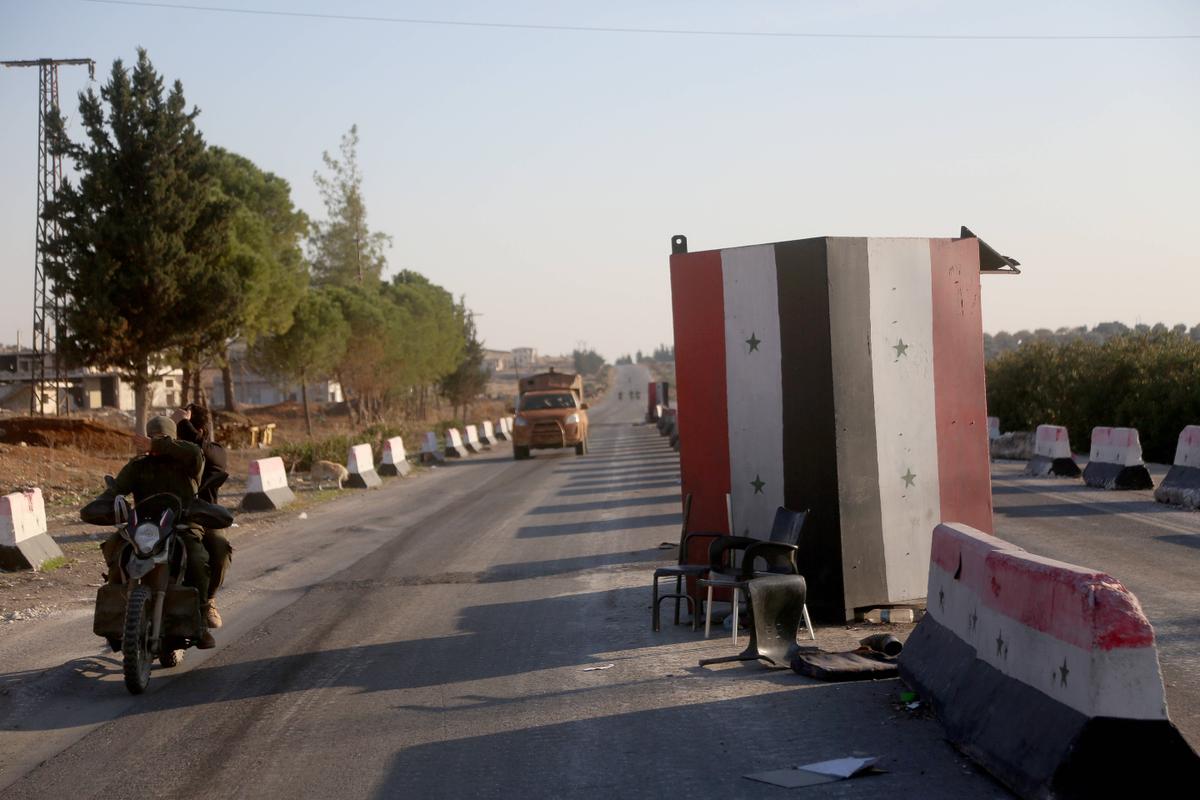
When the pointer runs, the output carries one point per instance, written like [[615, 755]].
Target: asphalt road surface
[[434, 638], [1152, 548]]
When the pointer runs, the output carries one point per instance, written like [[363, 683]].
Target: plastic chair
[[680, 571]]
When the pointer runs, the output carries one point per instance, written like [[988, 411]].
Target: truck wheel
[[520, 453]]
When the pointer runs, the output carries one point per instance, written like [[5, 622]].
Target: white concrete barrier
[[501, 430], [431, 451], [1181, 486], [993, 428], [361, 464], [1052, 453], [24, 542], [487, 434], [471, 439], [267, 486], [1045, 672], [454, 444], [1115, 460], [395, 458]]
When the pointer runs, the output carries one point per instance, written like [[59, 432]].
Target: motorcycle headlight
[[572, 420], [520, 421], [145, 537]]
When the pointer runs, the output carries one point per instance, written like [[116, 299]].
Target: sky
[[541, 173]]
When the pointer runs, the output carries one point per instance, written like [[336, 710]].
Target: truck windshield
[[538, 402]]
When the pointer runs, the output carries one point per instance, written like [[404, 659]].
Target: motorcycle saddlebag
[[181, 613], [110, 611]]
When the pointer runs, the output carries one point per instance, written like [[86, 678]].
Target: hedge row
[[1148, 381]]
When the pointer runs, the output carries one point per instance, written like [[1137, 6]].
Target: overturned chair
[[777, 606]]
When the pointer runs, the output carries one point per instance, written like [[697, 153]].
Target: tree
[[263, 252], [344, 251], [308, 349], [587, 362], [468, 379], [135, 260]]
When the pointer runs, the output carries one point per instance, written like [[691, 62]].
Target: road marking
[[1143, 518]]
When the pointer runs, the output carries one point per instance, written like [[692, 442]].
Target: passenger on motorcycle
[[192, 425], [173, 467]]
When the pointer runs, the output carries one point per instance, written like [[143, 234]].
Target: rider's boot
[[212, 617], [206, 642]]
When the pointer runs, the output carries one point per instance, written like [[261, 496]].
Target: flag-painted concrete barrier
[[24, 542], [844, 376], [471, 439], [487, 433], [1045, 673], [993, 428], [658, 395], [500, 430], [267, 486], [454, 444], [395, 459], [1181, 486], [360, 463], [1115, 460], [431, 451], [1052, 453]]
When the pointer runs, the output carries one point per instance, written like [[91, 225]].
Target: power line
[[661, 31]]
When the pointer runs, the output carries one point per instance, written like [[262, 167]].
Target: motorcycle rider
[[192, 425], [170, 467]]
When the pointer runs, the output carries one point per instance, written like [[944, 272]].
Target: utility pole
[[46, 316]]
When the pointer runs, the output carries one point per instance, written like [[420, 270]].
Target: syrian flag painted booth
[[841, 375]]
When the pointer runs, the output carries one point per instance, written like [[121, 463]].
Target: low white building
[[83, 388]]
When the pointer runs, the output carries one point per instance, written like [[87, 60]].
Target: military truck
[[550, 413]]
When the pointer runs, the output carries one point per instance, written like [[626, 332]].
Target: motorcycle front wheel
[[135, 644]]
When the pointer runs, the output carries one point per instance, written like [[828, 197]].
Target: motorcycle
[[144, 610]]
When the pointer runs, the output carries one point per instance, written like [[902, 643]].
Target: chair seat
[[680, 569]]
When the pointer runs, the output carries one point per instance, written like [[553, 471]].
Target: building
[[497, 361], [524, 357], [81, 388], [253, 388]]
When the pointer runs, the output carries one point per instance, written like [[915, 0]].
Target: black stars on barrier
[[901, 348], [753, 341], [1001, 646], [758, 484], [909, 478]]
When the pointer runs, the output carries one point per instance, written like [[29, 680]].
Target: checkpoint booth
[[843, 375]]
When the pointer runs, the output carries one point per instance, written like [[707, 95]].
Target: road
[[432, 639], [1151, 548]]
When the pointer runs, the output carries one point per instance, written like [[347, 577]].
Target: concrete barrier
[[501, 431], [454, 444], [361, 464], [24, 542], [395, 458], [993, 428], [1014, 446], [487, 433], [1115, 460], [471, 439], [1181, 486], [431, 453], [1052, 453], [267, 486], [1045, 673]]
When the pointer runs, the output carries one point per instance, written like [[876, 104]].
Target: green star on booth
[[754, 342], [757, 483], [909, 477], [900, 347]]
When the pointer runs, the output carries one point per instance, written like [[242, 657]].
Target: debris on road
[[598, 667], [838, 769]]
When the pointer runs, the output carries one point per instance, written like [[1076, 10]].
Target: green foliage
[[263, 248], [1148, 380], [1004, 341], [344, 251], [138, 256], [468, 379], [311, 345], [587, 362]]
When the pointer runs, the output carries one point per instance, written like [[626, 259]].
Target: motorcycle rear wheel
[[135, 644]]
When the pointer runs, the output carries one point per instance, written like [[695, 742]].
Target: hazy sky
[[542, 173]]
